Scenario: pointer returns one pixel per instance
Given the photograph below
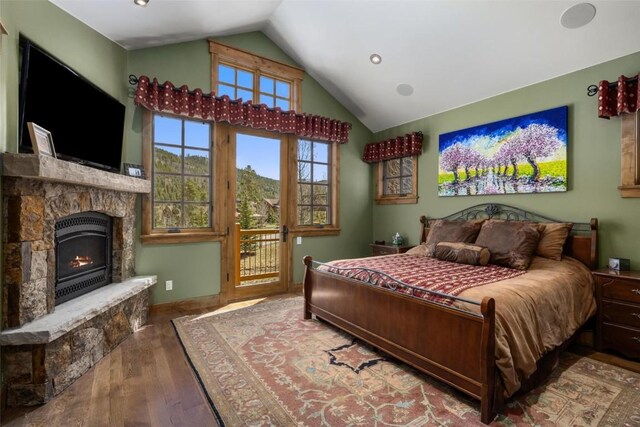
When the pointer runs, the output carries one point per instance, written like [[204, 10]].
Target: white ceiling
[[452, 52]]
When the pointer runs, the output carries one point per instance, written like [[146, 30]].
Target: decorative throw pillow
[[452, 231], [511, 243], [552, 239], [463, 253], [420, 250]]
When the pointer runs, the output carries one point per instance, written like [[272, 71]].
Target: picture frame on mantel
[[136, 171], [41, 140]]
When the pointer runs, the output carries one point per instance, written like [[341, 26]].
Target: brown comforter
[[535, 311]]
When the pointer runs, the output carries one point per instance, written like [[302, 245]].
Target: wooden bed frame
[[411, 329]]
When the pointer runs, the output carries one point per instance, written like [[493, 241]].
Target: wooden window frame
[[162, 235], [392, 199], [630, 156], [259, 66], [333, 228]]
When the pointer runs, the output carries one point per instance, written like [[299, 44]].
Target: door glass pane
[[245, 79], [167, 159], [226, 74], [167, 130], [304, 171], [196, 134]]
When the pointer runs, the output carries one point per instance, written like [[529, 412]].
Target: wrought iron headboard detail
[[585, 230]]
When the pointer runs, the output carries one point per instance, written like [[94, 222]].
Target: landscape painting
[[525, 154]]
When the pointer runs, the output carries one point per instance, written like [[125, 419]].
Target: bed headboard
[[582, 243]]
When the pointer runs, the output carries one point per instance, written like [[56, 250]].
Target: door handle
[[285, 231]]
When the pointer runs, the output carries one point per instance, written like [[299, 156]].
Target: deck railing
[[257, 254]]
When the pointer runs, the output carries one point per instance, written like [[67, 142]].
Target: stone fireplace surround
[[46, 347]]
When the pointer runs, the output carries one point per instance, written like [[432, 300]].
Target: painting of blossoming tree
[[526, 154]]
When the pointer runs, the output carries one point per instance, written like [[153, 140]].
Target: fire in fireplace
[[83, 254]]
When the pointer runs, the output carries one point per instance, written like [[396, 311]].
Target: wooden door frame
[[226, 136]]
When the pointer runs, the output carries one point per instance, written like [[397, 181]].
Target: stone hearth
[[46, 347]]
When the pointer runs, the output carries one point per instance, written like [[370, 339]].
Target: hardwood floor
[[147, 380]]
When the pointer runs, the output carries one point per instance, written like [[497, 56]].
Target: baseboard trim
[[190, 304]]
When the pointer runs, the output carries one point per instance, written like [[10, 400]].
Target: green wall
[[195, 268], [593, 162]]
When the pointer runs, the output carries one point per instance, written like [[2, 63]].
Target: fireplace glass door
[[83, 254]]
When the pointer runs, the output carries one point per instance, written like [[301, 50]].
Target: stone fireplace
[[70, 293]]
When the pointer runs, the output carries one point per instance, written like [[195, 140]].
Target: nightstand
[[618, 321], [378, 250]]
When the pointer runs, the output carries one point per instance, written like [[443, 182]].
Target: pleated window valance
[[181, 101], [615, 99], [401, 146]]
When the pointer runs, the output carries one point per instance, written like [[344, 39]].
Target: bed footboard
[[454, 346]]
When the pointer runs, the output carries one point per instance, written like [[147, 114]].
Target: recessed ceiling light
[[404, 89], [375, 58], [141, 2], [578, 15]]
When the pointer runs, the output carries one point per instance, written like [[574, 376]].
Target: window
[[630, 147], [313, 183], [180, 162], [315, 200], [240, 74], [397, 181]]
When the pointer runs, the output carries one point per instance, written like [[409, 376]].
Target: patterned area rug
[[263, 366]]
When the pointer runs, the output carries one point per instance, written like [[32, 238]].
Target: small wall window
[[397, 181]]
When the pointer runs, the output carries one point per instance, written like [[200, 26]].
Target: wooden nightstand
[[378, 250], [618, 321]]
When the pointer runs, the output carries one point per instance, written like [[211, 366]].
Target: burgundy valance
[[401, 146], [181, 101], [623, 98]]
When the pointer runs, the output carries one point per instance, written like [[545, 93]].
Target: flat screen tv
[[85, 122]]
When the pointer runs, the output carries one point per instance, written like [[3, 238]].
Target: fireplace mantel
[[46, 168], [45, 347]]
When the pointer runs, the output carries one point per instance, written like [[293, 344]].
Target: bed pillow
[[511, 243], [451, 231], [552, 239], [463, 253], [420, 250]]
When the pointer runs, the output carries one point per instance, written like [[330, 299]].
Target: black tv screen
[[85, 122]]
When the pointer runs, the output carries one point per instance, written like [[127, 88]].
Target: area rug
[[263, 365]]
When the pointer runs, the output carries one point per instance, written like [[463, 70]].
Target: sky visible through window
[[262, 154]]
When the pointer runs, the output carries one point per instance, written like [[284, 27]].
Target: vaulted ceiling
[[450, 52]]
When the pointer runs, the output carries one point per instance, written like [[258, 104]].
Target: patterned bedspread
[[422, 272]]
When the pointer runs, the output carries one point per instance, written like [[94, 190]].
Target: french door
[[256, 247]]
